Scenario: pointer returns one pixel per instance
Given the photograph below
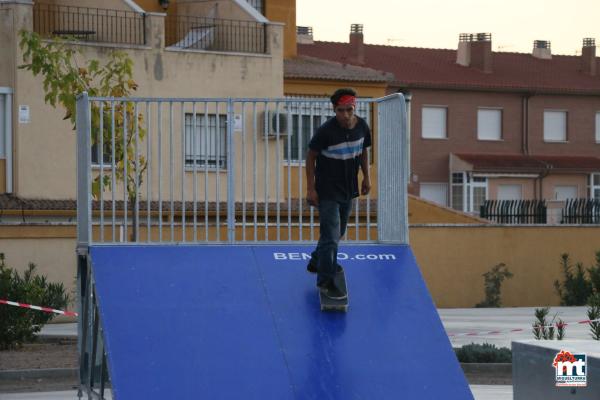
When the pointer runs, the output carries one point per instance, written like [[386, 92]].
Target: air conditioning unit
[[278, 124]]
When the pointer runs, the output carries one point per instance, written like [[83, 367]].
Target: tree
[[64, 79]]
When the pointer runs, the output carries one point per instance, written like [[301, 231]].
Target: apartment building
[[491, 125]]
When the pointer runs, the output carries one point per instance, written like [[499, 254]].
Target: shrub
[[483, 353], [542, 329], [593, 313], [575, 289], [492, 282], [19, 325]]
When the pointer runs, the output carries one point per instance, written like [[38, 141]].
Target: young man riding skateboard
[[336, 151]]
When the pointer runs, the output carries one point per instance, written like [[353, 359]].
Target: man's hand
[[312, 197], [366, 187]]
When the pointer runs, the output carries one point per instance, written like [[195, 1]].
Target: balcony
[[89, 24], [215, 34]]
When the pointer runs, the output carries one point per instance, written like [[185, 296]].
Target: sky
[[514, 24]]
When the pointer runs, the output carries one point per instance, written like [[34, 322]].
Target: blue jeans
[[333, 219]]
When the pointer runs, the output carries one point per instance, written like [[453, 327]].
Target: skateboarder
[[336, 151]]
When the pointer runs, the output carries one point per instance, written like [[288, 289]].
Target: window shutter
[[489, 124], [555, 126], [434, 122]]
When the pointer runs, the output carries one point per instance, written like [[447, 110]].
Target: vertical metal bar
[[230, 174], [206, 154], [171, 174], [254, 172], [300, 191], [266, 169], [244, 172], [289, 167], [125, 176], [369, 205], [218, 162], [148, 173], [137, 175], [183, 182], [84, 179], [113, 177], [101, 174], [311, 209], [195, 169], [159, 148], [277, 171]]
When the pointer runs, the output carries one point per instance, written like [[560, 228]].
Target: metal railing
[[89, 24], [223, 170], [581, 211], [203, 33], [515, 211]]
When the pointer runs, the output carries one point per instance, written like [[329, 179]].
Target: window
[[489, 124], [206, 145], [564, 192], [435, 192], [598, 127], [468, 192], [595, 186], [302, 132], [555, 126], [433, 123], [510, 192], [257, 4]]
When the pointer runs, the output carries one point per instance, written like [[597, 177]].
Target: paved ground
[[480, 392], [456, 321]]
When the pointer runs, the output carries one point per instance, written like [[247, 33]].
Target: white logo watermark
[[341, 256]]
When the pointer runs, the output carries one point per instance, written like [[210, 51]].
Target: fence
[[581, 211], [202, 33], [515, 211], [223, 170], [89, 24]]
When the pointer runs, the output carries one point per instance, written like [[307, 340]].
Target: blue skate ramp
[[244, 322]]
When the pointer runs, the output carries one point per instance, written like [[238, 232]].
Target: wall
[[453, 259], [284, 11]]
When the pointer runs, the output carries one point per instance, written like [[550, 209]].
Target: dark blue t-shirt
[[340, 151]]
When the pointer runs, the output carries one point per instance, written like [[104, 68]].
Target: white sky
[[514, 24]]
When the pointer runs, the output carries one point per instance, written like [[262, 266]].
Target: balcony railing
[[515, 211], [200, 33], [581, 211], [89, 24]]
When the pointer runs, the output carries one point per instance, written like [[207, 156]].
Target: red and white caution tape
[[587, 321], [44, 309]]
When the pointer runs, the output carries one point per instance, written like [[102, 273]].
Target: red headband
[[347, 100]]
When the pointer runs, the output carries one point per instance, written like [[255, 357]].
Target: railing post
[[392, 201], [84, 179], [230, 173]]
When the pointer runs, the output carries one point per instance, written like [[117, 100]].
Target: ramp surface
[[244, 322]]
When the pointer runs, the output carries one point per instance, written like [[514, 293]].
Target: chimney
[[589, 64], [304, 35], [475, 50], [357, 46], [541, 49]]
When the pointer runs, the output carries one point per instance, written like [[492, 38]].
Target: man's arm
[[311, 192], [364, 166]]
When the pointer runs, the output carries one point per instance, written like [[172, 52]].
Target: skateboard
[[328, 304]]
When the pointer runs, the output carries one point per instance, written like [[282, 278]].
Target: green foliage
[[483, 353], [575, 288], [593, 313], [19, 325], [594, 272], [492, 282], [64, 79], [544, 329]]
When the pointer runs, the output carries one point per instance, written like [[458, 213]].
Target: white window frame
[[482, 135], [597, 126], [472, 186], [6, 148], [468, 186], [219, 123], [445, 130], [593, 187], [566, 129]]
